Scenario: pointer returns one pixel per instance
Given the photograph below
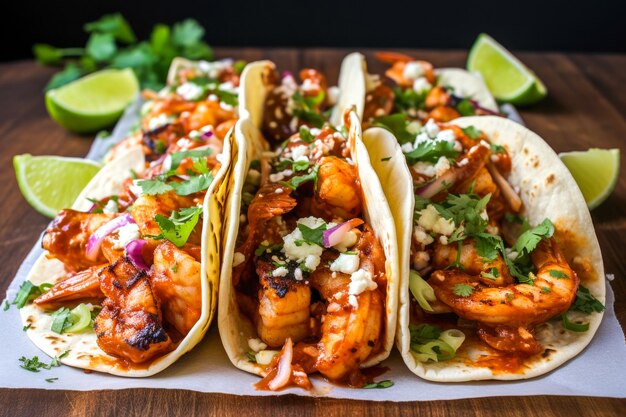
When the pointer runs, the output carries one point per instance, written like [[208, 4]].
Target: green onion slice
[[81, 319], [453, 337], [575, 327], [422, 292]]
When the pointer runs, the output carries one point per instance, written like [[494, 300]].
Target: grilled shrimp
[[283, 307], [208, 112], [338, 192], [551, 294], [472, 263], [396, 73], [378, 102], [66, 238], [83, 286], [176, 282], [130, 324], [350, 333]]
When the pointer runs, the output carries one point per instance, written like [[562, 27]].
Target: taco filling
[[481, 277], [415, 92], [308, 270], [132, 262]]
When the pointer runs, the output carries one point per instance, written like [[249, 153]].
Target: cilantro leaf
[[586, 302], [28, 292], [312, 236], [179, 225], [465, 108], [177, 157], [61, 320], [101, 46], [471, 132], [528, 241], [47, 54], [306, 135], [227, 97], [558, 274], [396, 124], [263, 248], [379, 385], [153, 187], [408, 99], [295, 182], [70, 73], [187, 33], [497, 148], [113, 24], [493, 274], [463, 290], [423, 333], [193, 185], [431, 151]]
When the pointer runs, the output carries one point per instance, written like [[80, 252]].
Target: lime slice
[[92, 102], [51, 183], [507, 77], [596, 172]]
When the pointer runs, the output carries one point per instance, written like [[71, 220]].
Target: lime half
[[596, 172], [506, 76], [51, 183], [92, 102]]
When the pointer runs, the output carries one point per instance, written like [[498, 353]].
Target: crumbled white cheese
[[421, 85], [425, 168], [420, 138], [311, 262], [279, 176], [256, 345], [353, 301], [159, 121], [110, 207], [421, 236], [136, 189], [361, 281], [431, 220], [228, 86], [348, 240], [431, 128], [346, 263], [446, 135], [278, 191], [281, 271], [189, 91], [414, 127], [297, 274], [511, 254], [125, 235], [298, 153], [214, 69], [407, 147], [443, 240], [442, 165], [238, 259], [300, 253], [413, 70]]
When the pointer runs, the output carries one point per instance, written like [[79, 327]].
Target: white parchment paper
[[598, 371]]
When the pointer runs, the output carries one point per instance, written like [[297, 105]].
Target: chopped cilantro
[[497, 148], [558, 274], [381, 384], [153, 187], [62, 319], [527, 242], [174, 267], [299, 166], [510, 296], [262, 248], [178, 226], [396, 124], [28, 292], [408, 99], [423, 333], [193, 185], [6, 305], [465, 107], [306, 135], [251, 357], [546, 290], [27, 327], [305, 108], [35, 365], [160, 147], [431, 151], [177, 157], [51, 379], [295, 182], [471, 132], [312, 236], [463, 290], [586, 302]]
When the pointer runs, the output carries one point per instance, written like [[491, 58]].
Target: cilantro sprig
[[312, 236], [112, 43], [431, 151], [28, 292], [35, 365], [178, 227]]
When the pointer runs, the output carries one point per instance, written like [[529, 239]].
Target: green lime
[[596, 172], [507, 77], [92, 102], [51, 183]]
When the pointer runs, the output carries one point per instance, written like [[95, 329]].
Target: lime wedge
[[92, 102], [51, 183], [596, 172], [507, 77]]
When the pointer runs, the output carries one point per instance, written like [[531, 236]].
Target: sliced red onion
[[439, 184], [92, 208], [95, 240], [477, 106], [335, 234], [134, 252], [207, 135], [284, 367]]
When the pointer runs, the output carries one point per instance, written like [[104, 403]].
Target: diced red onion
[[335, 234], [286, 74], [284, 367], [439, 184], [92, 208], [207, 135], [134, 252], [95, 240]]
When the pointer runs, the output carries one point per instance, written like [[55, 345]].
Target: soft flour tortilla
[[83, 348], [235, 328], [547, 190]]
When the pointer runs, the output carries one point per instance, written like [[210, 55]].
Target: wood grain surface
[[586, 108]]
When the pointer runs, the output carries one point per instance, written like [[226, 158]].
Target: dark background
[[592, 26]]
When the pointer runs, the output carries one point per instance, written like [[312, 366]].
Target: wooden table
[[586, 108]]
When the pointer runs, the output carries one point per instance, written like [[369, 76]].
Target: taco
[[309, 277], [128, 280], [502, 276]]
